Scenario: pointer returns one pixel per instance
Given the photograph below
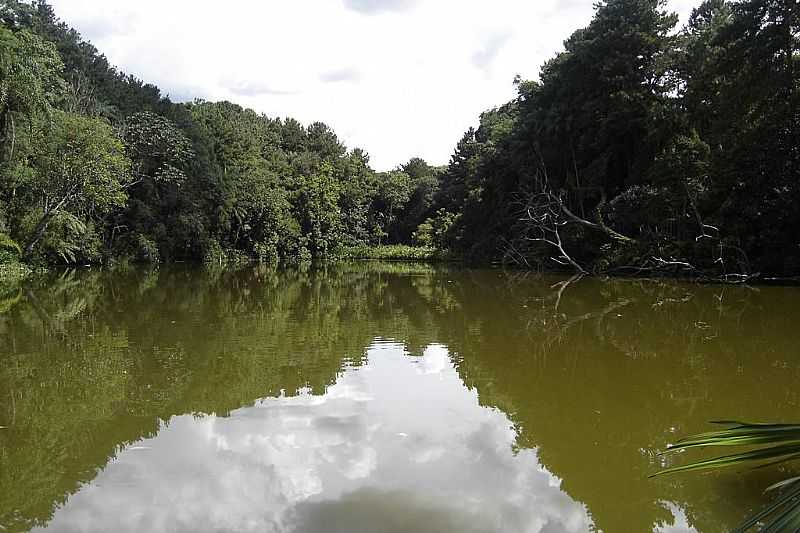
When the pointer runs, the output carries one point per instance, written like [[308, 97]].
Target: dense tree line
[[98, 165], [641, 147]]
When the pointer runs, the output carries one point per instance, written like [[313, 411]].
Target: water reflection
[[183, 399], [397, 445]]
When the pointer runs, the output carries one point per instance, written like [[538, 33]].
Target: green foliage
[[80, 161], [207, 181], [69, 240], [213, 253], [394, 252], [768, 444], [684, 143], [147, 250], [9, 246], [74, 171], [317, 210], [393, 193], [11, 274], [639, 208], [30, 80], [158, 148], [438, 231]]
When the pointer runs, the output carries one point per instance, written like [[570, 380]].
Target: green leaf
[[736, 459], [770, 509], [783, 444], [744, 435], [782, 484]]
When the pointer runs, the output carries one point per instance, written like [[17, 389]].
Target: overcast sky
[[398, 78]]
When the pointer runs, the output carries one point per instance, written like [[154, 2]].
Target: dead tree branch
[[545, 220]]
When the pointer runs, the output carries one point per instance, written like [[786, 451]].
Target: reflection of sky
[[679, 523], [397, 445]]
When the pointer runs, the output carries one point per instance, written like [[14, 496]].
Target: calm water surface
[[379, 398]]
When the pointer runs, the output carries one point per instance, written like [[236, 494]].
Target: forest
[[643, 147]]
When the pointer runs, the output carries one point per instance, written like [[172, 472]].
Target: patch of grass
[[12, 270], [7, 244], [396, 252]]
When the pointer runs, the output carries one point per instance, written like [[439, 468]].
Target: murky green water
[[379, 398]]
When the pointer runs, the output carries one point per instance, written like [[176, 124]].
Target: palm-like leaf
[[770, 444]]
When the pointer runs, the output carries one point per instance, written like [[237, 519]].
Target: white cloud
[[372, 7], [340, 75], [484, 57], [413, 74]]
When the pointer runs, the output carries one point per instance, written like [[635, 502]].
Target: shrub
[[10, 251], [394, 252], [437, 231], [147, 250]]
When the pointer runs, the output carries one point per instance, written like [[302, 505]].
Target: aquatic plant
[[768, 445]]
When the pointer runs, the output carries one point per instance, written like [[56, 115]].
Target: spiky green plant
[[8, 244], [768, 444]]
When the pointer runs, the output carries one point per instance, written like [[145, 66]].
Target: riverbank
[[398, 252], [13, 273]]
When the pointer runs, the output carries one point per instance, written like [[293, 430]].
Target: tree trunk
[[46, 218], [4, 114], [41, 227]]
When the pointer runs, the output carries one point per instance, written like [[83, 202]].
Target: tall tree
[[77, 167], [30, 82], [596, 108]]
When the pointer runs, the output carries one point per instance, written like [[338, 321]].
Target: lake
[[380, 397]]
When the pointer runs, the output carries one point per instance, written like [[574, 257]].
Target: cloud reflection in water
[[399, 444]]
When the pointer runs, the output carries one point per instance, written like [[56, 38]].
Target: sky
[[397, 78]]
